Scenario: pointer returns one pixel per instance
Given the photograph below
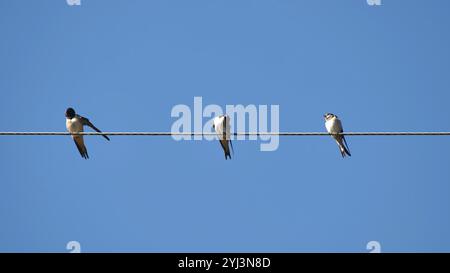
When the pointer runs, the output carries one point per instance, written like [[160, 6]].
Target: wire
[[234, 134]]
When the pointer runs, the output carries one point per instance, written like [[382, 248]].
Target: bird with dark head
[[75, 124], [70, 113]]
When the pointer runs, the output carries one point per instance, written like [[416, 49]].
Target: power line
[[234, 134]]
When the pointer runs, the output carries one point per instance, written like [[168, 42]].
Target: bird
[[222, 126], [75, 124], [334, 127]]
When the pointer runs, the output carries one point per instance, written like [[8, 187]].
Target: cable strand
[[234, 134]]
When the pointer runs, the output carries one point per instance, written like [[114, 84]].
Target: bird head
[[70, 113], [329, 116]]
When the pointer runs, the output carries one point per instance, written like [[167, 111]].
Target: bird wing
[[342, 137], [86, 122], [227, 132]]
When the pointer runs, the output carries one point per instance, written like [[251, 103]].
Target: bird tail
[[343, 147], [228, 151], [232, 149], [81, 148], [344, 151]]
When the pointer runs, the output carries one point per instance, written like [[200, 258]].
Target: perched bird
[[75, 124], [334, 127], [222, 126]]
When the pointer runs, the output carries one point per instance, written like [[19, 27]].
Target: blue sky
[[125, 64]]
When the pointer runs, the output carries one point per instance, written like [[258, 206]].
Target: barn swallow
[[75, 124], [334, 127], [222, 126]]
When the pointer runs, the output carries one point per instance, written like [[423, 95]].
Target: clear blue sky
[[125, 64]]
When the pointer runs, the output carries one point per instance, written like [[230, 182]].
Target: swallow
[[334, 127], [222, 126], [75, 124]]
